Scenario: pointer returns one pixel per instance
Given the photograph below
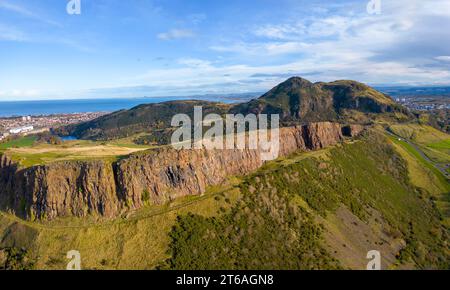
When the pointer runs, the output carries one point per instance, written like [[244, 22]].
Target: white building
[[21, 130]]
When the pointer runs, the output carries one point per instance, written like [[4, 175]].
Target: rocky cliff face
[[58, 189], [156, 176]]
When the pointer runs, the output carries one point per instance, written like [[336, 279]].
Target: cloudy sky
[[135, 48]]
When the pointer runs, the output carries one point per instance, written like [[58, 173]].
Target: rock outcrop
[[75, 188], [352, 130]]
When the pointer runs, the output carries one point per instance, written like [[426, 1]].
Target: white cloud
[[344, 46], [196, 18], [282, 31], [443, 58], [8, 33], [195, 63], [263, 48], [408, 43], [15, 8], [19, 94], [197, 74], [7, 5], [176, 34], [391, 47]]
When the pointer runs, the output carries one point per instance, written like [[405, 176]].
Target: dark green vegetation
[[263, 231], [439, 119], [15, 259], [48, 138], [16, 245], [270, 229], [296, 100]]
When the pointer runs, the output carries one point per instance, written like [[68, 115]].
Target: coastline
[[40, 108]]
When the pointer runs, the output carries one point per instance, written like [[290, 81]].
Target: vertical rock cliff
[[75, 188]]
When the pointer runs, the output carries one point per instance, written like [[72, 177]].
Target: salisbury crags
[[81, 188]]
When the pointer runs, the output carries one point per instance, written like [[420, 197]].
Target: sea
[[49, 107]]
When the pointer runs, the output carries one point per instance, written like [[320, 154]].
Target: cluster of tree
[[15, 259], [440, 119], [49, 138]]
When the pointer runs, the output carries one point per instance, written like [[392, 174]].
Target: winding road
[[438, 166]]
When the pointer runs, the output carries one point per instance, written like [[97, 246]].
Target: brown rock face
[[78, 188], [59, 189], [166, 174], [156, 176], [320, 135], [352, 130]]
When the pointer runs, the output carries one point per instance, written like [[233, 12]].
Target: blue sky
[[136, 48]]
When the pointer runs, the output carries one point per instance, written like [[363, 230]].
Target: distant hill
[[297, 100], [143, 118]]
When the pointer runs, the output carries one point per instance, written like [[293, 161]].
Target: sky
[[137, 48]]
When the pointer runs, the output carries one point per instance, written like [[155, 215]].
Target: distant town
[[430, 98], [25, 125], [425, 103]]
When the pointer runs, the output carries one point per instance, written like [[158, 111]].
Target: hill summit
[[301, 100]]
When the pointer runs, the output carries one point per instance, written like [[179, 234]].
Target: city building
[[20, 130]]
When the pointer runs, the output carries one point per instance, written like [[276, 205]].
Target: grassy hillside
[[422, 172], [299, 100], [368, 178], [360, 90], [152, 119], [314, 210]]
